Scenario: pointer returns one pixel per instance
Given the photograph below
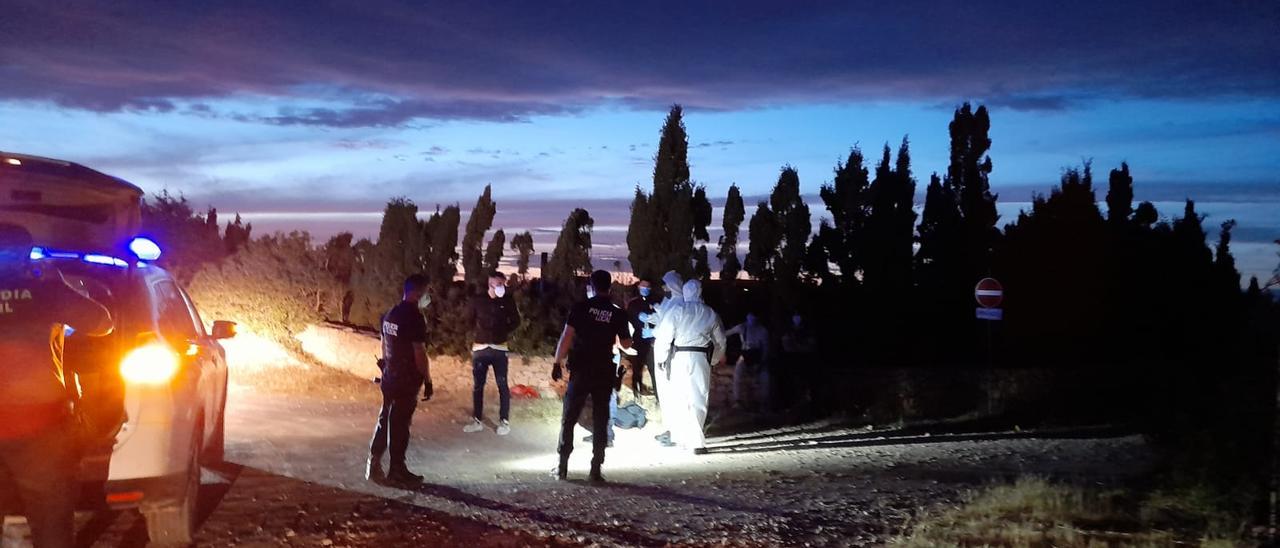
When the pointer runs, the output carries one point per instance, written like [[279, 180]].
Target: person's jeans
[[750, 366], [41, 470], [481, 360], [600, 392], [398, 405]]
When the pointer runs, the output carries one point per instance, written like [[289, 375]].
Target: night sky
[[275, 108]]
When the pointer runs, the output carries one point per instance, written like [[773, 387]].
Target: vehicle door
[[187, 338]]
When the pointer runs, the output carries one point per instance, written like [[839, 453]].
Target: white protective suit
[[672, 282], [691, 325]]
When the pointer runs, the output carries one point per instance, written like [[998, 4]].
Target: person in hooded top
[[690, 338]]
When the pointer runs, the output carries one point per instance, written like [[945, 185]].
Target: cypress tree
[[848, 200], [493, 253], [666, 222], [763, 247], [478, 223], [734, 213], [572, 255], [522, 244], [1120, 195]]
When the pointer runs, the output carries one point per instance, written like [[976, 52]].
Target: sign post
[[989, 294]]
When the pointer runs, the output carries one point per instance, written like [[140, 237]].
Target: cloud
[[389, 63], [368, 144]]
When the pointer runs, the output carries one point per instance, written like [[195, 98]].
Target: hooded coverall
[[692, 338], [671, 282]]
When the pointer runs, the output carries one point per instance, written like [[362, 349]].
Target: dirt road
[[298, 463]]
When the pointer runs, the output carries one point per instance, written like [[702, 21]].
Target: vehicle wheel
[[215, 453], [175, 524]]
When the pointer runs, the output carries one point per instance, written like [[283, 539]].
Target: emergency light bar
[[144, 249]]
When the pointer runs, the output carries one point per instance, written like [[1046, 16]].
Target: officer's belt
[[700, 349]]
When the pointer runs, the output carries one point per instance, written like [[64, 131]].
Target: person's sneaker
[[474, 426], [595, 476], [667, 443], [504, 428], [663, 437], [373, 471], [404, 476]]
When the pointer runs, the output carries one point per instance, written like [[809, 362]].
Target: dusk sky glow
[[334, 107]]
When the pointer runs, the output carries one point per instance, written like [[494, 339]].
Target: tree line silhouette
[[1135, 316]]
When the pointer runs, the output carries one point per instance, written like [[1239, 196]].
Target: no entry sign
[[989, 293]]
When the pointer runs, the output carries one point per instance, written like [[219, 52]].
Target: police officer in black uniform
[[38, 458], [405, 370], [588, 339]]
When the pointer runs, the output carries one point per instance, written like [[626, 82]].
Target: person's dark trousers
[[398, 405], [652, 365], [639, 362], [41, 470], [481, 360], [580, 390]]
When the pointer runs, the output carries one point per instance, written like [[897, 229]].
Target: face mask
[[424, 301], [644, 291], [499, 291], [796, 321], [591, 292]]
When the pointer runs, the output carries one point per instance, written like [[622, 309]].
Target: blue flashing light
[[37, 253], [145, 249], [106, 260]]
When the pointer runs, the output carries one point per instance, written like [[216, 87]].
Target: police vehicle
[[152, 395]]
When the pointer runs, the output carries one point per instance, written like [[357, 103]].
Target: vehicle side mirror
[[223, 329]]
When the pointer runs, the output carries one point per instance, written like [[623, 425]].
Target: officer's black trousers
[[41, 470], [398, 406], [580, 390]]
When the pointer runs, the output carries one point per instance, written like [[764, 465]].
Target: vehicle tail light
[[152, 363]]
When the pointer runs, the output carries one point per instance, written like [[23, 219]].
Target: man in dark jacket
[[38, 459], [495, 318], [639, 310]]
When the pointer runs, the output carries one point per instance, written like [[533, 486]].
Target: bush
[[274, 286]]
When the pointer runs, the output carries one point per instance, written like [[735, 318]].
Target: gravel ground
[[817, 484]]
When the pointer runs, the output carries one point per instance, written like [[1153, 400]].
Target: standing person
[[639, 309], [495, 318], [691, 338], [800, 354], [591, 331], [405, 370], [755, 351], [38, 458], [673, 287]]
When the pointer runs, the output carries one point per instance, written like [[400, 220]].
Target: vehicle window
[[195, 314], [175, 318]]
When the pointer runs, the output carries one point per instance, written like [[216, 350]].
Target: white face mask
[[499, 291], [424, 301], [591, 292]]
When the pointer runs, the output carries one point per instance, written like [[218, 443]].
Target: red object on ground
[[989, 293], [524, 391]]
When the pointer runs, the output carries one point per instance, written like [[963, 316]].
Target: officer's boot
[[400, 474], [595, 476], [373, 470], [562, 470]]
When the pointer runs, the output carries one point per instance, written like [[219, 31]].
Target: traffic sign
[[989, 293], [993, 314]]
